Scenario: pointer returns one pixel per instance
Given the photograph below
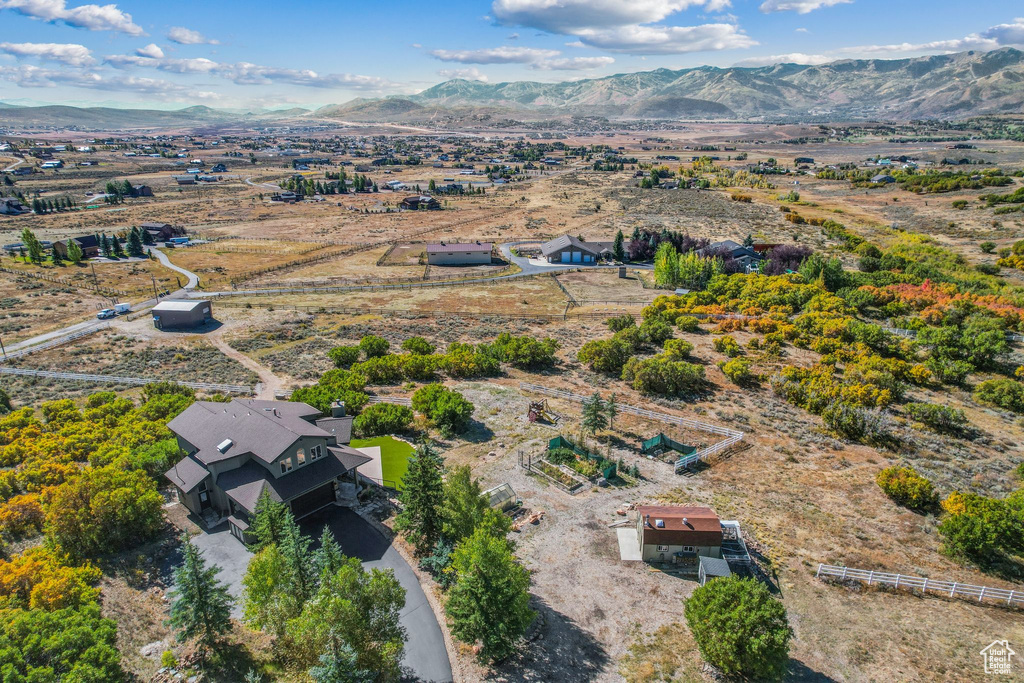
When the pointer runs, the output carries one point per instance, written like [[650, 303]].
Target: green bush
[[907, 488], [418, 346], [740, 628], [381, 369], [619, 323], [856, 423], [373, 346], [939, 417], [447, 409], [960, 204], [987, 247], [687, 323], [343, 356], [737, 370], [420, 368], [728, 345], [678, 349], [525, 353], [606, 355], [383, 418], [661, 376], [335, 385], [655, 331], [1002, 392]]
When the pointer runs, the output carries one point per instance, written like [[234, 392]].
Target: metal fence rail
[[135, 381], [56, 341], [733, 436], [950, 589]]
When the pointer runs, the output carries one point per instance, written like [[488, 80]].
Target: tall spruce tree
[[294, 546], [464, 507], [33, 245], [135, 243], [594, 416], [328, 558], [201, 606], [421, 498], [340, 665], [267, 521], [618, 248], [74, 252]]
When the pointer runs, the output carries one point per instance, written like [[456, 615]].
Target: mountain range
[[954, 86]]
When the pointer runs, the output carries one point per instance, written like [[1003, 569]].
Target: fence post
[[870, 575], [924, 588], [897, 581], [844, 572], [1009, 600], [981, 596], [952, 591]]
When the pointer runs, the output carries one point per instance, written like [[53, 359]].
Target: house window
[[202, 486], [662, 548], [301, 456], [315, 452], [286, 465], [688, 549]]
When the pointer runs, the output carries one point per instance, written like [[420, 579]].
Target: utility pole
[[2, 348], [155, 295], [95, 282]]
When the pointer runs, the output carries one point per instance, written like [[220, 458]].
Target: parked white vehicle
[[121, 309]]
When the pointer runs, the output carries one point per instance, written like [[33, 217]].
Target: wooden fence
[[949, 589], [732, 436], [106, 291]]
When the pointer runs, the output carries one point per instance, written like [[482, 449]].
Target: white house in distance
[[459, 253]]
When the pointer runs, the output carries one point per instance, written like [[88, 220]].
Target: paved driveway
[[425, 653]]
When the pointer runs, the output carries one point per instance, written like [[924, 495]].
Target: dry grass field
[[29, 306]]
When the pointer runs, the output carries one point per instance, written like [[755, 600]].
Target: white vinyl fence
[[732, 436], [950, 589]]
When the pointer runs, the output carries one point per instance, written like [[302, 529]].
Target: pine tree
[[105, 245], [594, 417], [134, 243], [118, 250], [202, 605], [267, 521], [611, 409], [147, 238], [294, 548], [490, 601], [464, 507], [339, 665], [328, 558], [618, 249], [33, 245], [421, 499]]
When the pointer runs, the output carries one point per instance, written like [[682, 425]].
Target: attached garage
[[313, 500]]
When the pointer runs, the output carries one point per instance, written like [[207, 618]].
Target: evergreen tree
[[105, 245], [135, 243], [294, 548], [118, 250], [421, 498], [618, 249], [340, 665], [267, 521], [147, 238], [201, 606], [611, 410], [490, 601], [594, 416], [126, 188], [74, 252], [463, 505], [328, 558]]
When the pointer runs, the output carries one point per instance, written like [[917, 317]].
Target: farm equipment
[[539, 412]]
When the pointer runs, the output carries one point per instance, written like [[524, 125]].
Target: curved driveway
[[193, 279]]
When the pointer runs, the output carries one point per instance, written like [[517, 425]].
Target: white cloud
[[801, 30], [470, 74], [799, 6], [91, 17], [790, 58], [569, 16], [495, 55], [65, 53], [992, 38], [152, 50], [27, 76], [572, 63], [186, 36], [666, 40]]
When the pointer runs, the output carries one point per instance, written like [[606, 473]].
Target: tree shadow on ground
[[798, 672], [559, 650], [477, 432]]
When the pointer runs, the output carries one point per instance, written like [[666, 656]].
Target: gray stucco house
[[569, 249], [237, 450]]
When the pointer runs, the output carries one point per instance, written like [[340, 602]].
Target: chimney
[[338, 409], [647, 520]]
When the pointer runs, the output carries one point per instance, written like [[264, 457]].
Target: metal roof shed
[[712, 567], [182, 314]]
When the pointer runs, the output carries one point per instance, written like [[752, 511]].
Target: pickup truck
[[106, 313]]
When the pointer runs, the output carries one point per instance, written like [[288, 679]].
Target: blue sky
[[225, 53]]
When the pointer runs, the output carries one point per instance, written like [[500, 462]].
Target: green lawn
[[394, 456]]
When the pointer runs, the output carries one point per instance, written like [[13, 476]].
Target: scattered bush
[[740, 628], [447, 409], [1001, 392], [418, 346], [687, 323], [343, 356], [728, 345], [373, 346], [335, 385], [619, 323], [907, 488], [960, 204], [678, 349], [987, 247], [939, 417], [737, 370], [383, 418], [661, 376]]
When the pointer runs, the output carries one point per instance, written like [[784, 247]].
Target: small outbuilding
[[712, 567], [459, 254], [181, 314]]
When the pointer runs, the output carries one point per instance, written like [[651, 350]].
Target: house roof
[[733, 249], [682, 525], [180, 305], [459, 247], [264, 429], [565, 241], [245, 484], [340, 427], [150, 225], [187, 474]]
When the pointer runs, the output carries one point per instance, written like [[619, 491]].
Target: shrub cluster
[[447, 409], [907, 488]]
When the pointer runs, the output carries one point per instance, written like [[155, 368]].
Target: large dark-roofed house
[[569, 249], [237, 450]]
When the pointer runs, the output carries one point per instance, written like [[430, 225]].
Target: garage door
[[314, 500], [566, 257]]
